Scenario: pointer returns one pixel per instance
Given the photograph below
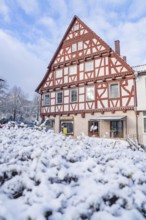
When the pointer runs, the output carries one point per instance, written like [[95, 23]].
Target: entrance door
[[116, 129]]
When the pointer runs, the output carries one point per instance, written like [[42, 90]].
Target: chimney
[[125, 58], [117, 47]]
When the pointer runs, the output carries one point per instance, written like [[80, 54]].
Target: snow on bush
[[49, 176]]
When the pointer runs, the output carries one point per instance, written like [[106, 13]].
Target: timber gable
[[107, 63], [83, 61]]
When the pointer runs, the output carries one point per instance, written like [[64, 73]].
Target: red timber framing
[[85, 63]]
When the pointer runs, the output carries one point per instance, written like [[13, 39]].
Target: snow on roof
[[50, 176], [140, 68]]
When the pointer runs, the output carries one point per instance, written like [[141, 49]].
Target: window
[[58, 73], [74, 47], [77, 46], [90, 94], [80, 45], [59, 98], [76, 27], [73, 69], [89, 66], [114, 90], [73, 95], [46, 99], [144, 122], [93, 128], [48, 124], [67, 127], [116, 129]]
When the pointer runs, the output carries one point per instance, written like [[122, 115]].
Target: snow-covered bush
[[50, 176]]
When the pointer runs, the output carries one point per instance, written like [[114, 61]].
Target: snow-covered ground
[[49, 176]]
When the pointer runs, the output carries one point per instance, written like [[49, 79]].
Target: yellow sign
[[64, 130]]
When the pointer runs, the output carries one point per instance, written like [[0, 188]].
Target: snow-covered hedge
[[49, 176]]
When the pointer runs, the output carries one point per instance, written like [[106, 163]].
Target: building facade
[[141, 102], [88, 87]]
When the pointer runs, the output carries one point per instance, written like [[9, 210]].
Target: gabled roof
[[61, 43]]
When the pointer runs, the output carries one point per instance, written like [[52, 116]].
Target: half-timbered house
[[88, 87]]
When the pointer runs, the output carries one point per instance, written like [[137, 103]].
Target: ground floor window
[[116, 129], [67, 127], [93, 128]]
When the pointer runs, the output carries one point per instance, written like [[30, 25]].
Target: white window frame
[[89, 66], [114, 95], [59, 103], [58, 73], [90, 89], [74, 47], [77, 46], [71, 91], [80, 45], [45, 96], [144, 119], [73, 70]]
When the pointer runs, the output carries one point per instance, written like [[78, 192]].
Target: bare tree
[[3, 88], [17, 101], [3, 96], [35, 111]]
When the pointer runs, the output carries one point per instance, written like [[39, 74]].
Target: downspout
[[135, 105]]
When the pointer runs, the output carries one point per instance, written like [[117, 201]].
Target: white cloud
[[132, 37], [137, 9], [47, 21], [29, 6], [109, 19], [4, 11], [18, 66]]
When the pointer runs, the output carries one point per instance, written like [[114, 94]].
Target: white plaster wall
[[81, 124], [141, 93]]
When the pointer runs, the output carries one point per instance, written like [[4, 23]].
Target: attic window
[[76, 27], [80, 45], [58, 73], [74, 47], [77, 46]]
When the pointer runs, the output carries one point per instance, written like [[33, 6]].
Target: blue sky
[[30, 31]]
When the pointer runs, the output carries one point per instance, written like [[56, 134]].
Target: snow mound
[[50, 176]]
